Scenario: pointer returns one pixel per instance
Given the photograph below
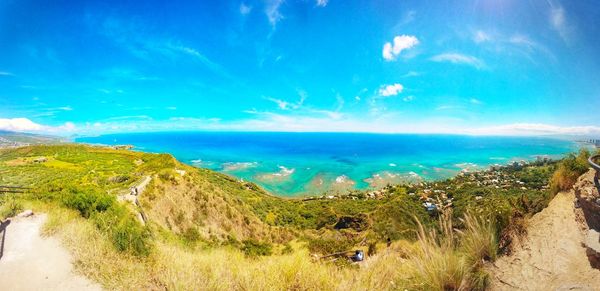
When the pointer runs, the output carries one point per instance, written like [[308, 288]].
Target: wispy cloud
[[460, 59], [322, 3], [391, 50], [475, 101], [558, 21], [131, 36], [411, 74], [6, 74], [480, 36], [287, 105], [408, 98], [449, 107], [516, 43], [409, 17], [272, 11], [245, 9]]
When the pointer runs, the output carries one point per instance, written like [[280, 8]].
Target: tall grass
[[569, 169], [441, 259], [451, 259]]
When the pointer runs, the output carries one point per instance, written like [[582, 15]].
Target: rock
[[26, 213], [592, 244], [592, 240]]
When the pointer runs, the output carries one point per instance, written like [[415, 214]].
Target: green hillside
[[229, 234]]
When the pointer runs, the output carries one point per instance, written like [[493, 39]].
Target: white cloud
[[390, 90], [65, 108], [322, 3], [245, 9], [171, 108], [481, 36], [19, 124], [408, 98], [26, 125], [461, 59], [402, 42], [272, 11], [7, 74]]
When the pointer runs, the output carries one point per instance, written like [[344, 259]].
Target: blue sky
[[480, 67]]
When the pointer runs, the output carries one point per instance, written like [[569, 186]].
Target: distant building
[[595, 142]]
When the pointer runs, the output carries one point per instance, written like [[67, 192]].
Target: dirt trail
[[31, 262], [552, 256]]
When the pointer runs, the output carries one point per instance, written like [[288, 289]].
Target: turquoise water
[[291, 164]]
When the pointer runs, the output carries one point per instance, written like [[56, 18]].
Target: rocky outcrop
[[588, 199], [588, 204]]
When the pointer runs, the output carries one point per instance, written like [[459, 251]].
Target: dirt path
[[552, 256], [31, 262]]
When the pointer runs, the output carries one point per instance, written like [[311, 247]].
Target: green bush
[[125, 232], [330, 245], [569, 169], [87, 201], [9, 206], [191, 234], [254, 248]]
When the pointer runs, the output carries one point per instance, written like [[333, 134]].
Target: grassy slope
[[191, 214]]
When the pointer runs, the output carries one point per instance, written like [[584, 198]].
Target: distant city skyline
[[503, 67]]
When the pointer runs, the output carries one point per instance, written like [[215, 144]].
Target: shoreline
[[394, 178]]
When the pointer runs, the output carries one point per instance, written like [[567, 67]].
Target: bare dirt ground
[[29, 261], [551, 257]]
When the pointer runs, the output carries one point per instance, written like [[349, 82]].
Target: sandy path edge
[[552, 256], [32, 262]]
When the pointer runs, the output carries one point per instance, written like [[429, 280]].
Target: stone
[[26, 213]]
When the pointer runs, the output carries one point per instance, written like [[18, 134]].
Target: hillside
[[239, 236], [172, 201], [9, 139]]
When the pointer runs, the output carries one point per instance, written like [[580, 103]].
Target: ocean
[[296, 164]]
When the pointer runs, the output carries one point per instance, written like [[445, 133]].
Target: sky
[[510, 67]]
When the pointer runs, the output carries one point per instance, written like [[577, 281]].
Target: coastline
[[297, 172]]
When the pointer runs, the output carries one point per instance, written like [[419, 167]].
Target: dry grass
[[437, 261]]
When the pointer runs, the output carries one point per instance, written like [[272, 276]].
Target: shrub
[[330, 245], [254, 248], [87, 201], [119, 179], [191, 234], [569, 169], [125, 232], [9, 206], [287, 249]]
